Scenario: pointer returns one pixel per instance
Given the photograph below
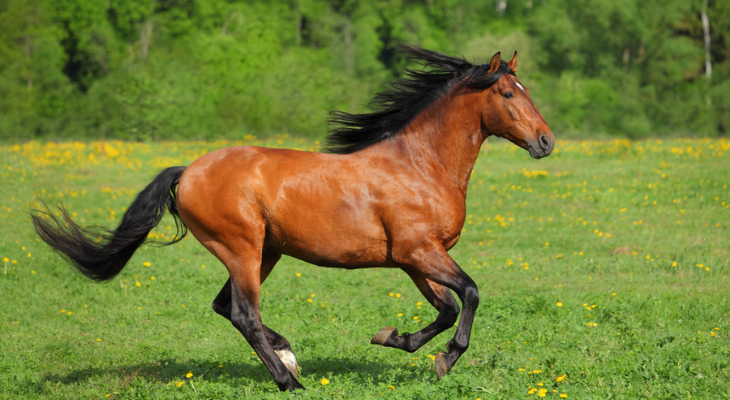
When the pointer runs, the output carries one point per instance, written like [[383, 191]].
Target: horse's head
[[509, 112]]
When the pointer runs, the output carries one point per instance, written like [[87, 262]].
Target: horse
[[389, 192]]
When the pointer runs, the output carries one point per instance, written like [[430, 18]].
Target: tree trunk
[[706, 28], [145, 37], [500, 6]]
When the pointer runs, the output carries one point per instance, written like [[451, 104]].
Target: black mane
[[395, 107]]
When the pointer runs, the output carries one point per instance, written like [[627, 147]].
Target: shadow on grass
[[365, 372]]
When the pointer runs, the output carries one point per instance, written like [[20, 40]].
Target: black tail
[[100, 253]]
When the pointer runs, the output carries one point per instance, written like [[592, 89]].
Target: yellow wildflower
[[325, 381]]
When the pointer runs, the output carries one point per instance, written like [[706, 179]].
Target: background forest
[[203, 69]]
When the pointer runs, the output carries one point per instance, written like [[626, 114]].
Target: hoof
[[442, 366], [290, 362], [382, 337]]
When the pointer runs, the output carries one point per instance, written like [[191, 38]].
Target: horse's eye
[[508, 95]]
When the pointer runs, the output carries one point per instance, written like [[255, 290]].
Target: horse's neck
[[449, 133]]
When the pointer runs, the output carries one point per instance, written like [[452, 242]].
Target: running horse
[[390, 193]]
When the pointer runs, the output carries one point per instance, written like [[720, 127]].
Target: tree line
[[201, 69]]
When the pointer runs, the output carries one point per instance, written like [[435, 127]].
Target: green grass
[[612, 231]]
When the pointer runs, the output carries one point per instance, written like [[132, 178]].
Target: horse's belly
[[339, 245]]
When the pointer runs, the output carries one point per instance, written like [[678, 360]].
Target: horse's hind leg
[[223, 306], [244, 265], [440, 297]]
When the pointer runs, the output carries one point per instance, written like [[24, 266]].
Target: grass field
[[603, 273]]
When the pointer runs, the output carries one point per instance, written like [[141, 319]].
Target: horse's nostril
[[544, 142]]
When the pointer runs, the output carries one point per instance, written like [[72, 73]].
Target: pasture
[[603, 273]]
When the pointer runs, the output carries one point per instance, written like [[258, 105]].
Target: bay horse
[[391, 192]]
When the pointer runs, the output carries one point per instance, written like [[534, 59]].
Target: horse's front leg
[[431, 260], [440, 297]]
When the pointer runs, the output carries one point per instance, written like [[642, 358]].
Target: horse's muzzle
[[542, 148]]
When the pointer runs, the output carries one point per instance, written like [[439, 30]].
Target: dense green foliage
[[602, 269], [148, 69]]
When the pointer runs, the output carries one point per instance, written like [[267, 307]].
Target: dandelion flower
[[189, 374], [146, 263], [560, 304], [563, 396], [542, 392], [325, 381], [179, 384]]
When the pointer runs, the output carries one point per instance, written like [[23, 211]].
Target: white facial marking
[[519, 86]]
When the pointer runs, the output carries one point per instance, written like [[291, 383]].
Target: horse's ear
[[494, 64], [513, 63]]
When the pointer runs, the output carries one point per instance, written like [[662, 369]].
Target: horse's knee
[[471, 295]]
